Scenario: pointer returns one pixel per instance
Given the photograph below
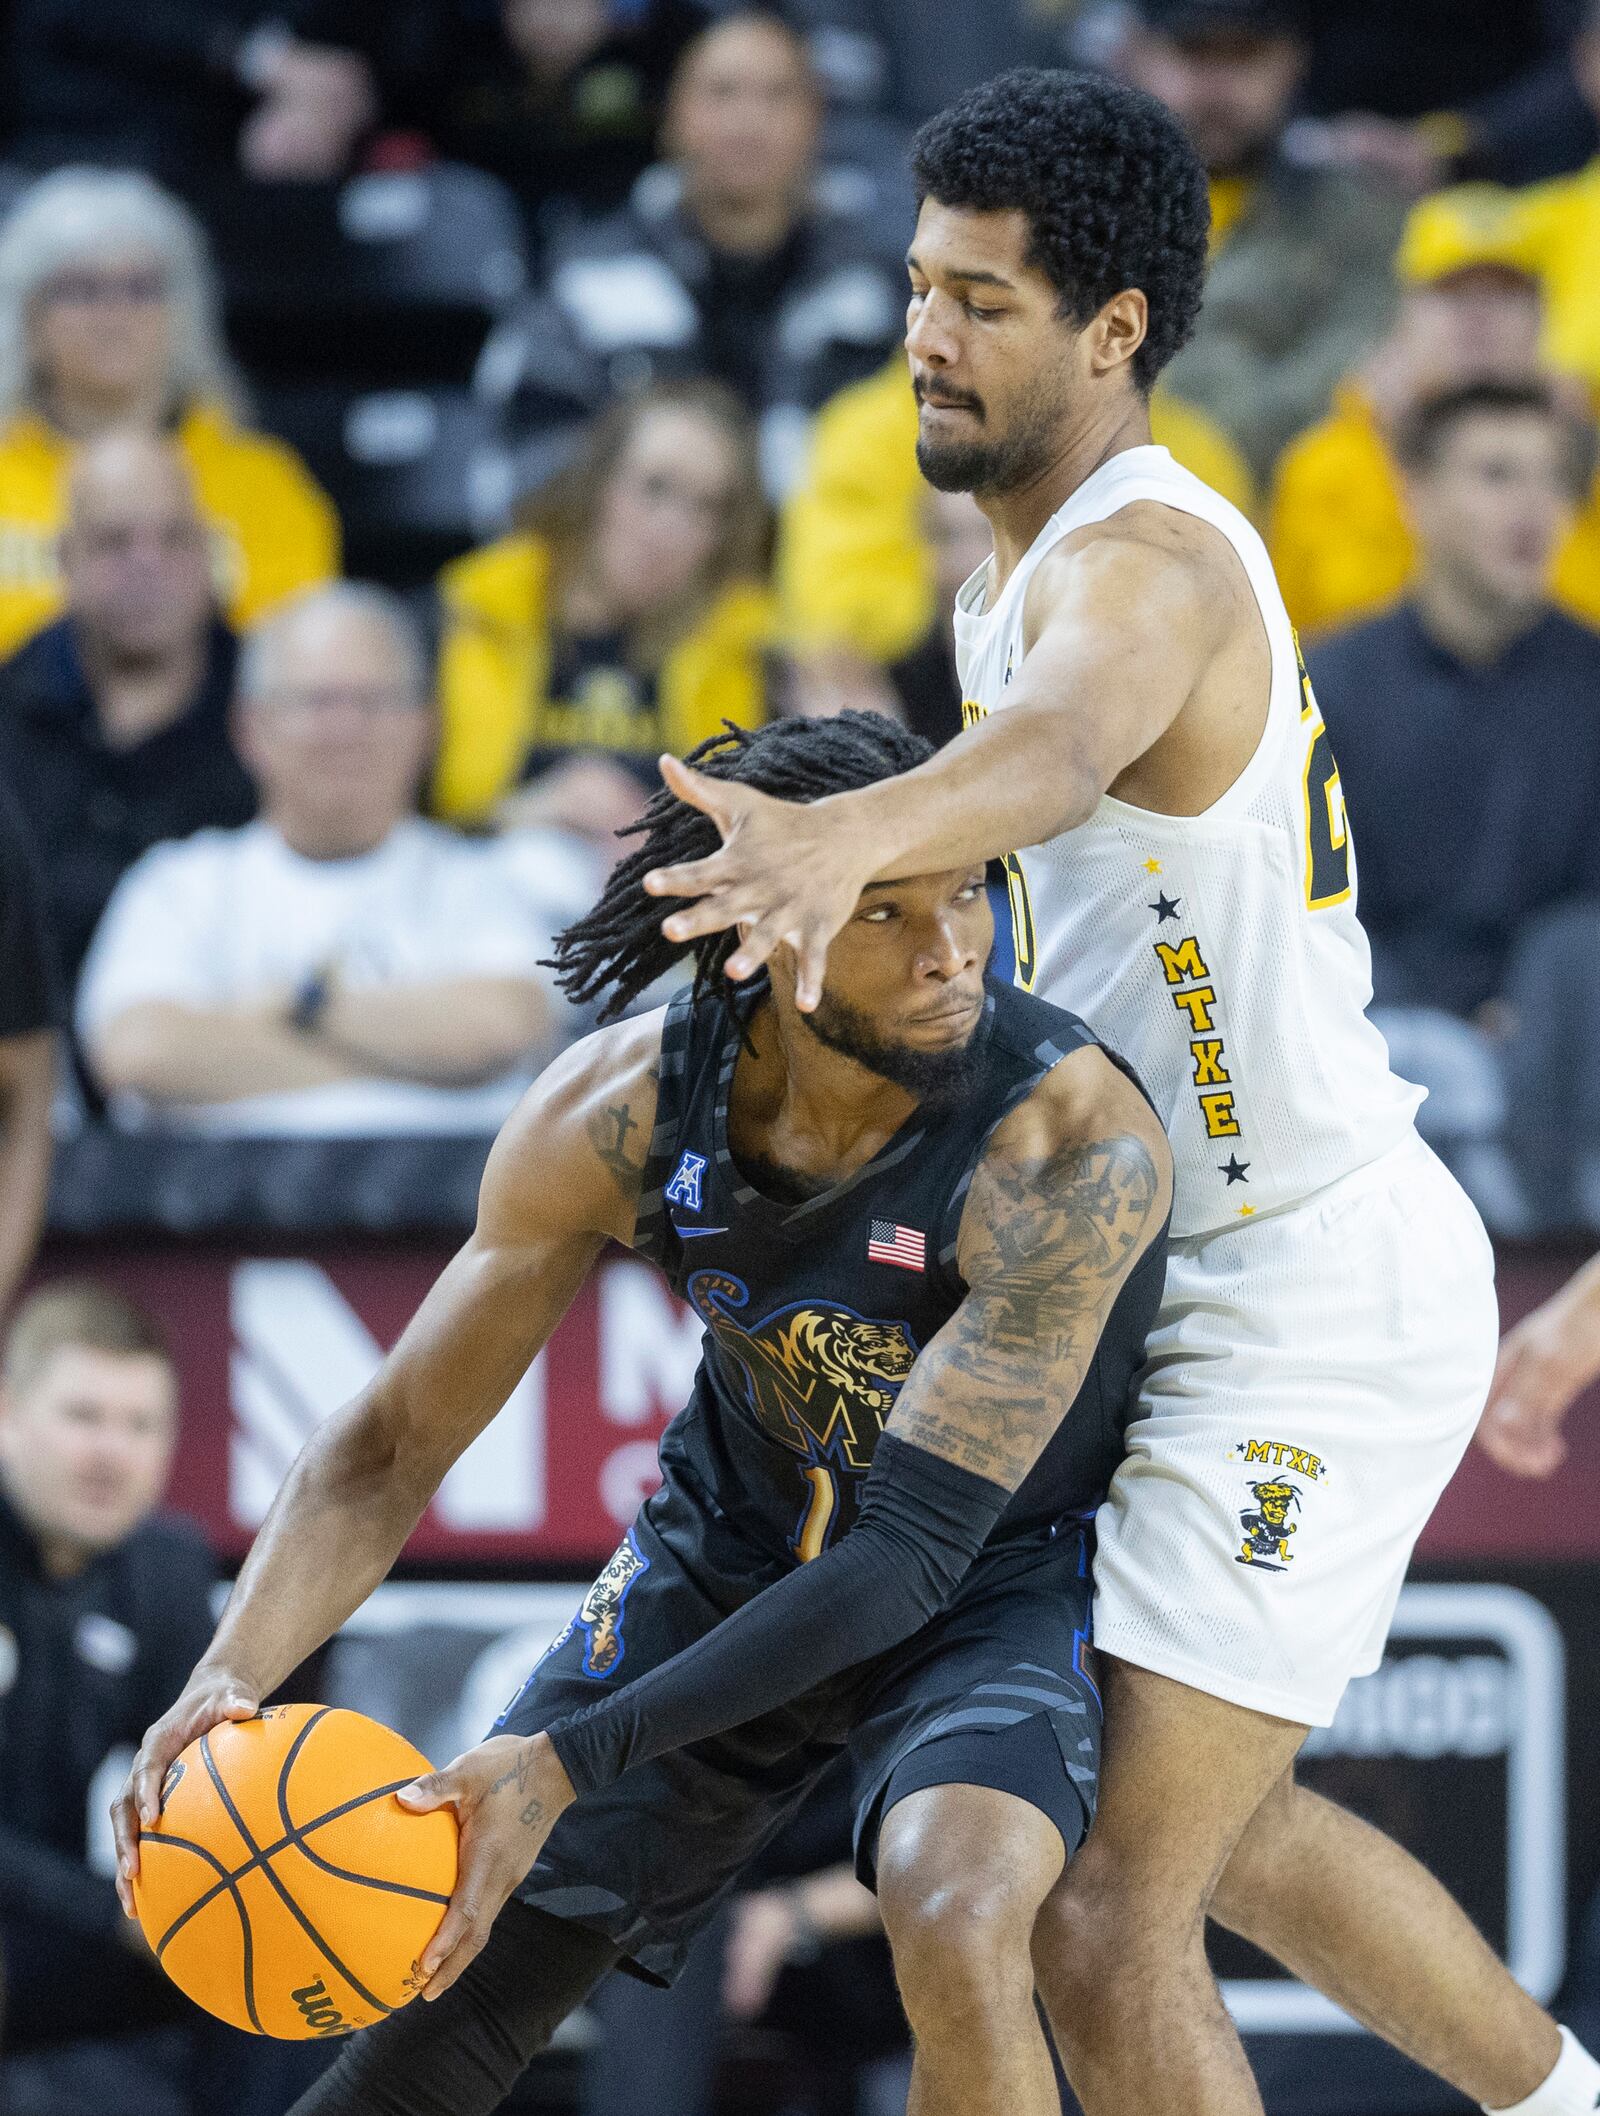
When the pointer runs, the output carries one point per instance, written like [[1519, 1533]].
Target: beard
[[938, 1079], [998, 463]]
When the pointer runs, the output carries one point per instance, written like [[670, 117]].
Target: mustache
[[962, 398]]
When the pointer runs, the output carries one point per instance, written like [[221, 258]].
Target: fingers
[[456, 1929], [719, 799], [713, 911], [756, 947], [424, 1794], [811, 964]]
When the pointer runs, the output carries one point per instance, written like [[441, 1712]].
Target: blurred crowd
[[417, 415], [570, 330]]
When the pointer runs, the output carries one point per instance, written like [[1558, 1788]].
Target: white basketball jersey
[[1219, 953]]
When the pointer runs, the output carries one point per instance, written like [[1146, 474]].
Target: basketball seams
[[230, 1883], [283, 1894], [271, 1851], [297, 1837]]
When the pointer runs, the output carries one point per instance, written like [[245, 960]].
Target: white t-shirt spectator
[[229, 916]]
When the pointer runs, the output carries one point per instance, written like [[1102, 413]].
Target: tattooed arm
[[1073, 1190], [562, 1178]]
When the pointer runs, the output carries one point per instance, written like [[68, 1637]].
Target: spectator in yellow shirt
[[1471, 312], [108, 319], [1558, 228], [855, 567], [627, 615]]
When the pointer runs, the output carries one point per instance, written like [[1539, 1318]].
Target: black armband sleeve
[[922, 1522]]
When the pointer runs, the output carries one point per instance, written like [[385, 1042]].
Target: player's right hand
[[1544, 1363], [212, 1696]]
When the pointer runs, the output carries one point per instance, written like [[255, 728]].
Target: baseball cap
[[1458, 230], [1201, 18]]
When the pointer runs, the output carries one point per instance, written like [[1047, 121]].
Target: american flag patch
[[888, 1243]]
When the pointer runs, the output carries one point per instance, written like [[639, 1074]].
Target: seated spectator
[[339, 966], [625, 617], [1466, 726], [561, 99], [1300, 284], [1558, 227], [104, 1608], [731, 261], [192, 88], [108, 319], [1470, 312], [855, 565], [114, 720]]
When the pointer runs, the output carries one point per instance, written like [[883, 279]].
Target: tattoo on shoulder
[[619, 1132], [1050, 1240]]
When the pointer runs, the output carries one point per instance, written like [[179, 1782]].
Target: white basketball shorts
[[1312, 1381]]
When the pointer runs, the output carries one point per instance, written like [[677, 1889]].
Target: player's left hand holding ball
[[507, 1794]]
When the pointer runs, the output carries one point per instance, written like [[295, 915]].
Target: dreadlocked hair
[[619, 947]]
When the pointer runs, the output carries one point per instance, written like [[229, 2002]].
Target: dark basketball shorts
[[997, 1691]]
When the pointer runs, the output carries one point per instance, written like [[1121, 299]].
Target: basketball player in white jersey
[[1139, 723]]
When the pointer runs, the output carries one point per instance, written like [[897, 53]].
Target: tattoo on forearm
[[1053, 1240]]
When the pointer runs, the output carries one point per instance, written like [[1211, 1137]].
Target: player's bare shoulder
[[580, 1137], [1148, 562], [1077, 1178], [1165, 599]]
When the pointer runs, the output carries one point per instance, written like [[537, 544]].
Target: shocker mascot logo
[[600, 1611], [1267, 1527], [818, 1379]]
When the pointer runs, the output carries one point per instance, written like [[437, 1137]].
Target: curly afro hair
[[1114, 193]]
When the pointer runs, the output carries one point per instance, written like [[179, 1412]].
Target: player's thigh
[[1313, 1380]]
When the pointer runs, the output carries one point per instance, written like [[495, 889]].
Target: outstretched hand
[[786, 872], [507, 1794], [1539, 1372]]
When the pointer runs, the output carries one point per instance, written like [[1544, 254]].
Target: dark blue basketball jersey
[[815, 1311]]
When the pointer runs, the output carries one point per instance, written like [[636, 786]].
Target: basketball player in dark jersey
[[925, 1228]]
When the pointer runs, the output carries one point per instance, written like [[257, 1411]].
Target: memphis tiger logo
[[1267, 1524], [819, 1378]]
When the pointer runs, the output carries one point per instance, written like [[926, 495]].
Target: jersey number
[[1327, 830], [1024, 941]]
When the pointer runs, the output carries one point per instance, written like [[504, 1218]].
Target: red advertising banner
[[269, 1345]]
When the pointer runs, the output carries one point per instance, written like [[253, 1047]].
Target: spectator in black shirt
[[114, 720], [28, 1017], [735, 259], [1466, 722]]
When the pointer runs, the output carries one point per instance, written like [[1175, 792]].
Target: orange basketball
[[284, 1888]]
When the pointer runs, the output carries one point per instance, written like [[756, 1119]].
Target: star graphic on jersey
[[1234, 1169], [1245, 1211], [1152, 866], [1165, 907]]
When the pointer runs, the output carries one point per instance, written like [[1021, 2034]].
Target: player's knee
[[1108, 1931], [1256, 1864], [961, 1935]]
